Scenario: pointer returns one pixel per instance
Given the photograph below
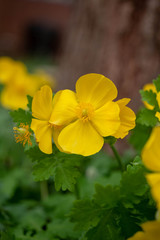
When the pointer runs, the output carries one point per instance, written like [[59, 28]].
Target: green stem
[[44, 190], [118, 158], [77, 194]]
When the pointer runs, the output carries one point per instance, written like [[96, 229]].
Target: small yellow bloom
[[22, 134], [14, 94], [151, 231], [9, 68], [42, 107], [89, 115], [151, 158]]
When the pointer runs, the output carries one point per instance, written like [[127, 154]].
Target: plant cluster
[[80, 192]]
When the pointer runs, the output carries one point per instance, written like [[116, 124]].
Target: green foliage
[[29, 105], [64, 168], [157, 83], [113, 212], [86, 214], [21, 116], [147, 117], [149, 97], [139, 136]]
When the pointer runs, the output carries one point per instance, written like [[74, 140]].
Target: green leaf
[[139, 136], [133, 184], [86, 214], [157, 83], [106, 196], [44, 169], [63, 167], [107, 229], [128, 222], [149, 97], [29, 105], [21, 116], [147, 117], [36, 154]]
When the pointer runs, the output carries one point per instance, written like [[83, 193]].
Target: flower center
[[85, 111], [22, 134]]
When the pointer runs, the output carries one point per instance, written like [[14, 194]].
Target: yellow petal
[[11, 99], [64, 110], [158, 115], [106, 119], [127, 118], [158, 98], [154, 181], [139, 236], [42, 103], [95, 89], [80, 138], [151, 151], [43, 133], [147, 87], [152, 230], [56, 133]]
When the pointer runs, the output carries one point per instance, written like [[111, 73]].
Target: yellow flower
[[151, 158], [89, 115], [14, 94], [42, 107], [151, 231], [22, 134], [9, 68]]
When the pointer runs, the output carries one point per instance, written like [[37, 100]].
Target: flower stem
[[44, 190], [117, 156], [77, 193]]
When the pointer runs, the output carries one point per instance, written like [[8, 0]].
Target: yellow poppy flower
[[14, 94], [42, 107], [9, 68], [151, 158], [88, 115], [151, 231]]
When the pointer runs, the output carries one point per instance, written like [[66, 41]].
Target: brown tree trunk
[[117, 38]]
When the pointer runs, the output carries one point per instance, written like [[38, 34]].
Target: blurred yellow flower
[[90, 114], [9, 68], [42, 107], [151, 231], [20, 84], [151, 158]]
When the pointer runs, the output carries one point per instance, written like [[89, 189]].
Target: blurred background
[[117, 38]]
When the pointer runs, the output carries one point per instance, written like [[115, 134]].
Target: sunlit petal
[[80, 138], [127, 119], [64, 110], [138, 236], [43, 133], [152, 230], [154, 181], [106, 119], [95, 89], [151, 151], [42, 103]]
